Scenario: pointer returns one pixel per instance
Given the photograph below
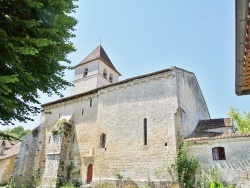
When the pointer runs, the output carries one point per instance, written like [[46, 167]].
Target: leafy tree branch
[[242, 121], [34, 43]]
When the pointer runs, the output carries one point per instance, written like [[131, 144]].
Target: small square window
[[218, 153]]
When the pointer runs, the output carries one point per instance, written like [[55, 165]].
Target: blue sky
[[143, 36]]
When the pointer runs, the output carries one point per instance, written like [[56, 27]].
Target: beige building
[[8, 152], [216, 144], [108, 127]]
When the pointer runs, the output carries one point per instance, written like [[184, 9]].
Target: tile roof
[[221, 136], [213, 129], [215, 123], [246, 66], [14, 150], [8, 143], [98, 53], [242, 44]]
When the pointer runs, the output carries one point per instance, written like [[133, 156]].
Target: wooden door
[[89, 173]]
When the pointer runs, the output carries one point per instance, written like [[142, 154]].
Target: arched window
[[105, 73], [145, 132], [85, 73], [111, 77], [218, 153], [103, 140], [90, 101]]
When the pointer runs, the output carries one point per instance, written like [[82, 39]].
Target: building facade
[[109, 127]]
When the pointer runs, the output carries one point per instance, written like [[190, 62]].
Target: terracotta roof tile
[[246, 66], [222, 136], [8, 143], [11, 152]]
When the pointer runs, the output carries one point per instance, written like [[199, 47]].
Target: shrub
[[209, 178], [185, 168], [71, 184]]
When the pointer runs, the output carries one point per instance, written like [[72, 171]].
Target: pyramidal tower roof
[[98, 53]]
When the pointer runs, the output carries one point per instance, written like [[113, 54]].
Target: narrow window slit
[[145, 132], [90, 101]]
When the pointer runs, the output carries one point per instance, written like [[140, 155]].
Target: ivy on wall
[[62, 127]]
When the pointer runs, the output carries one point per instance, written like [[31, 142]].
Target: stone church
[[107, 127]]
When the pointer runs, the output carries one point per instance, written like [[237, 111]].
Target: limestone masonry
[[108, 127]]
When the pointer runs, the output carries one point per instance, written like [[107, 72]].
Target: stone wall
[[6, 167], [121, 115], [56, 154], [3, 163], [235, 168], [119, 111], [192, 105], [30, 159]]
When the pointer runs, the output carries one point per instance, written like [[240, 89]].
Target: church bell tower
[[94, 71]]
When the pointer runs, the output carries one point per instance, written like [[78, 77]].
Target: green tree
[[34, 43], [18, 132], [6, 136], [242, 121]]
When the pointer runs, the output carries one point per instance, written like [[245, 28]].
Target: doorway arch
[[89, 173]]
